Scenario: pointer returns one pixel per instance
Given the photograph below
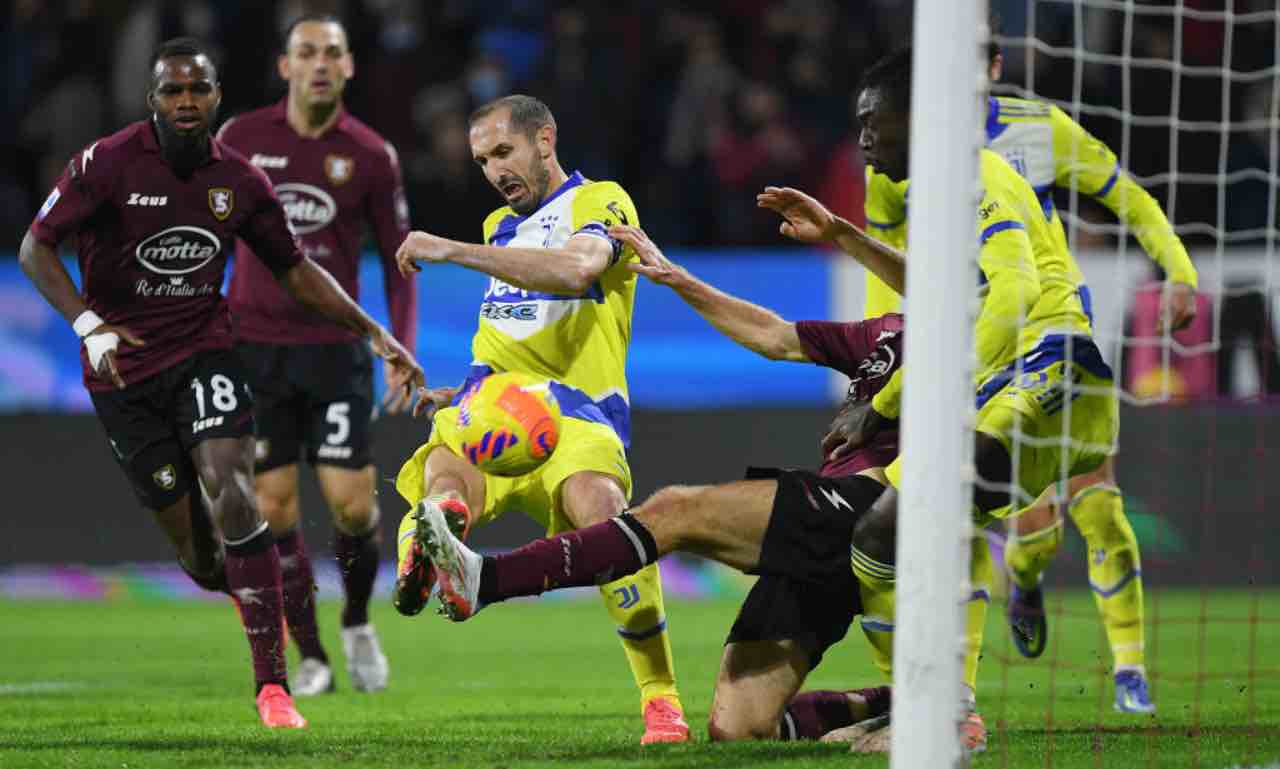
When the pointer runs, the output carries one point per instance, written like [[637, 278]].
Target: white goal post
[[947, 88]]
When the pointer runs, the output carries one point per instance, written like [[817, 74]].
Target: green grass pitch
[[140, 684]]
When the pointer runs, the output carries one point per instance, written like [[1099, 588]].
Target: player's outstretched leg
[[1115, 576]]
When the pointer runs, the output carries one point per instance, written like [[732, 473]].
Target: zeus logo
[[835, 499]]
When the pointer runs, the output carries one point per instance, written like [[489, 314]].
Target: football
[[509, 424]]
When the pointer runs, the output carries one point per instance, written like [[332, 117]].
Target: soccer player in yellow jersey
[[1034, 350], [558, 306], [1052, 151]]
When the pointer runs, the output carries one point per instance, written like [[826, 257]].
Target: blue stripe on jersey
[[506, 230], [994, 126], [613, 411], [999, 227], [1115, 177], [884, 225], [1052, 349], [1086, 301]]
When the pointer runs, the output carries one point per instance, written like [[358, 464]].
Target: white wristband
[[86, 322], [99, 345]]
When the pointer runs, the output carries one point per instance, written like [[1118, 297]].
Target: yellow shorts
[[583, 446], [1056, 422]]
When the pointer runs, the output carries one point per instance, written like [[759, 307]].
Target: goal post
[[947, 87]]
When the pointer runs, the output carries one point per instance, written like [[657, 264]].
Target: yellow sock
[[635, 603], [976, 608], [1028, 555], [1115, 570], [877, 622]]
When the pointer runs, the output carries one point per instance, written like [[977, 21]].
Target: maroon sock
[[358, 563], [299, 583], [812, 714], [253, 572], [592, 556]]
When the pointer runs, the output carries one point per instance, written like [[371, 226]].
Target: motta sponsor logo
[[178, 250], [308, 208]]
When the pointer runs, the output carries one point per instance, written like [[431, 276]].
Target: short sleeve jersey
[[330, 186], [578, 341], [153, 247], [868, 352]]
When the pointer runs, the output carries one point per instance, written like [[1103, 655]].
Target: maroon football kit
[[152, 250], [312, 380], [807, 591]]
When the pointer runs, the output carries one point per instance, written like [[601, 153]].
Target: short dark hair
[[181, 46], [528, 113], [892, 77], [320, 18]]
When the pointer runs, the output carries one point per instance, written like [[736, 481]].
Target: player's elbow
[[579, 277], [29, 253]]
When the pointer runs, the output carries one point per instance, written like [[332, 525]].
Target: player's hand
[[804, 218], [396, 400], [101, 344], [851, 429], [1177, 307], [403, 372], [431, 400], [653, 264], [422, 246]]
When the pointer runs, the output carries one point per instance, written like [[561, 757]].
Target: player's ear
[[547, 140], [348, 66], [282, 66], [997, 68]]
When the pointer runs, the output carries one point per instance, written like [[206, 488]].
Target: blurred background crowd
[[693, 106]]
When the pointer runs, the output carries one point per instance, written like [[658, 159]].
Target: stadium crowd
[[695, 104]]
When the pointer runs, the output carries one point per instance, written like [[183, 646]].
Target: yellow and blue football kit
[[579, 344], [1043, 389]]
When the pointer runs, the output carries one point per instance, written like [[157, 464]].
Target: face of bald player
[[885, 134], [317, 63], [516, 165], [185, 94]]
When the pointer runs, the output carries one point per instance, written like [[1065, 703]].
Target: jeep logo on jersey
[[178, 250], [308, 208]]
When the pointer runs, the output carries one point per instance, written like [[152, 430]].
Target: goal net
[[1157, 585]]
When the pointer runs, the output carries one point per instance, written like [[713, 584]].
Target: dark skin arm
[[43, 268], [314, 288]]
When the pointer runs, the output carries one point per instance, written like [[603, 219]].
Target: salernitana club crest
[[339, 169], [221, 201], [166, 477]]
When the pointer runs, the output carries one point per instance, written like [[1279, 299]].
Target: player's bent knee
[[281, 512], [737, 728], [669, 511], [354, 517]]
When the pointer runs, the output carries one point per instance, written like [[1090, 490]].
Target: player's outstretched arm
[[43, 268], [310, 285], [808, 221], [754, 327], [1088, 165], [570, 270]]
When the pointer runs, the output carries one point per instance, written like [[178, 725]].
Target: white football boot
[[456, 566], [366, 664], [310, 678]]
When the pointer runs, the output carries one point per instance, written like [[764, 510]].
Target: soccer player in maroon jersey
[[155, 208], [313, 383], [792, 527]]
